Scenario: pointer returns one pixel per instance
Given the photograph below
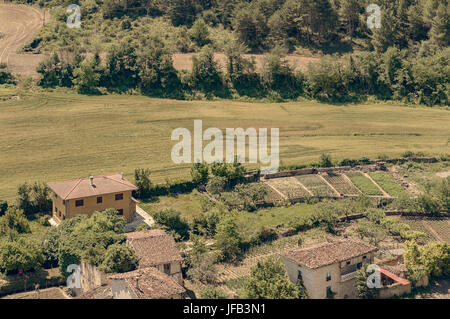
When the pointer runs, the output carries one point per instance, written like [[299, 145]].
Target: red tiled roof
[[81, 188], [101, 292], [154, 247], [150, 283], [396, 278], [328, 253]]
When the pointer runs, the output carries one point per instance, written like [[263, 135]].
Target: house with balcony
[[330, 268], [88, 195]]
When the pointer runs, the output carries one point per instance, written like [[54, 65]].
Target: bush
[[211, 292], [216, 185], [199, 173], [172, 221], [3, 207], [325, 161], [34, 198]]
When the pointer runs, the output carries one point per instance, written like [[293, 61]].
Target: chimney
[[91, 179], [121, 175]]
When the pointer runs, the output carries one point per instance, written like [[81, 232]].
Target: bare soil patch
[[18, 24], [182, 61]]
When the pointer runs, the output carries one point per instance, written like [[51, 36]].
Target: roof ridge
[[108, 177], [77, 183]]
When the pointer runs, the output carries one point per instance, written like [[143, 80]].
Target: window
[[299, 275], [347, 262], [99, 200], [328, 276], [120, 211], [364, 257], [167, 268], [119, 196], [79, 203], [359, 265]]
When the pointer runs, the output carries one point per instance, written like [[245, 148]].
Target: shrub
[[211, 292], [325, 161], [172, 221], [3, 207], [216, 185]]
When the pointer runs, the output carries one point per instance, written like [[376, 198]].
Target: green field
[[364, 184], [388, 183], [59, 135]]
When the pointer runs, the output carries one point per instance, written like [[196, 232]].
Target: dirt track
[[18, 24]]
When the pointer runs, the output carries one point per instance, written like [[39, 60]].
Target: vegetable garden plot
[[364, 184], [271, 196], [341, 184], [289, 187], [442, 227], [316, 185], [388, 183]]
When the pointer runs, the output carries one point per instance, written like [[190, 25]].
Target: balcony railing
[[349, 276]]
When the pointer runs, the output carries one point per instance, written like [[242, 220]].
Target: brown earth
[[182, 61], [18, 24]]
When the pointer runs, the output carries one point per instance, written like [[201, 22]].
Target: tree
[[364, 292], [86, 79], [119, 258], [325, 160], [268, 281], [205, 75], [143, 183], [14, 220], [23, 254], [157, 76], [121, 71], [440, 26], [216, 185], [199, 33], [374, 232], [228, 240], [325, 213], [199, 173], [349, 12]]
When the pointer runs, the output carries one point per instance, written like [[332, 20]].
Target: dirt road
[[18, 24]]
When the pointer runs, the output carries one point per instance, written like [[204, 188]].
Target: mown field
[[59, 135]]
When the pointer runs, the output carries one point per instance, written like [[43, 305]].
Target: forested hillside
[[129, 45]]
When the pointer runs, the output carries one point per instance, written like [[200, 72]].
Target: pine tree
[[440, 26], [349, 13]]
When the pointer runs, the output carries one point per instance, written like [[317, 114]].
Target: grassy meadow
[[58, 135]]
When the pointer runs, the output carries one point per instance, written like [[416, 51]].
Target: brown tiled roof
[[154, 247], [150, 283], [101, 292], [81, 188], [328, 253]]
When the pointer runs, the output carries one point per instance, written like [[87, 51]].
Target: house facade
[[85, 196], [329, 269]]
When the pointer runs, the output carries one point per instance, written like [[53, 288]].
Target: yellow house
[[87, 195]]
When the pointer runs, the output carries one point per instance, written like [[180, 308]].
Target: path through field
[[18, 24]]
